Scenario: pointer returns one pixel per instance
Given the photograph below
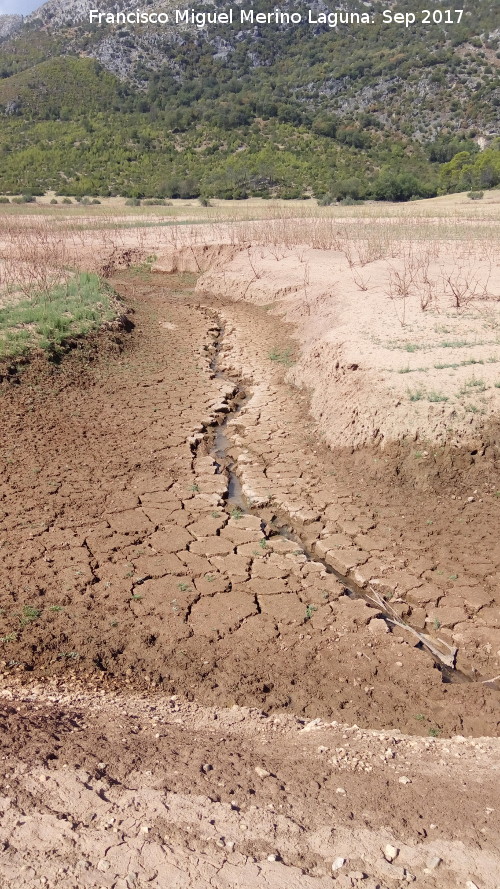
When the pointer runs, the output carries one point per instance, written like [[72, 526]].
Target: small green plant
[[416, 395], [436, 397], [195, 489], [436, 623], [136, 597], [236, 513], [310, 609], [473, 383], [263, 543], [411, 370], [455, 344], [418, 455], [184, 587], [215, 515], [497, 385], [29, 614], [281, 357], [434, 732], [56, 608], [420, 717], [210, 577], [10, 637]]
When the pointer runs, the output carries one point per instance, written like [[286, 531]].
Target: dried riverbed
[[123, 561]]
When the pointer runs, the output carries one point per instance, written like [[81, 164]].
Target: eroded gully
[[214, 440]]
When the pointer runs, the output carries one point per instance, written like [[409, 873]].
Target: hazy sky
[[20, 6]]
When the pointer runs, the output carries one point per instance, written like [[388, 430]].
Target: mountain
[[9, 24], [369, 107]]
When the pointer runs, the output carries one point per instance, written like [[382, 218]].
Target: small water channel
[[220, 450]]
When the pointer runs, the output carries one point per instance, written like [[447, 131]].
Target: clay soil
[[142, 612]]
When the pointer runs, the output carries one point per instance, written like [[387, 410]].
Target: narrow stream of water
[[220, 449]]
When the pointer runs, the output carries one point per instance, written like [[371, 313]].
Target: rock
[[470, 885], [262, 773], [338, 863], [206, 768], [313, 725], [404, 780], [341, 791], [391, 853], [433, 864], [377, 626]]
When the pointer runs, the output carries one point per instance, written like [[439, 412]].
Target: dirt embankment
[[397, 341]]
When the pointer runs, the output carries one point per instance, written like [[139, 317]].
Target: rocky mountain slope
[[363, 96]]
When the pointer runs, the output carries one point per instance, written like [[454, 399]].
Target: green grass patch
[[456, 344], [282, 357], [412, 370], [436, 396], [473, 385], [46, 322], [416, 395], [424, 395]]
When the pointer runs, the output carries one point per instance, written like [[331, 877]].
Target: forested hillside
[[361, 110]]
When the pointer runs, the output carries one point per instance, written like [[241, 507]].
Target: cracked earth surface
[[124, 567]]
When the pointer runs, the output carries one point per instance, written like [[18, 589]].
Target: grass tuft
[[45, 322]]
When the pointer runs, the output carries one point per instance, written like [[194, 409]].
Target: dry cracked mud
[[128, 576]]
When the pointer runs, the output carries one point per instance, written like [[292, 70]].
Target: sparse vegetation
[[283, 356], [47, 321]]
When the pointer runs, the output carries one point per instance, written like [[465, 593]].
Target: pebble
[[391, 853], [262, 773], [338, 863], [404, 780], [206, 767], [340, 790], [433, 864]]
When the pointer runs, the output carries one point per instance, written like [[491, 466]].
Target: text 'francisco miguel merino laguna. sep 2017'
[[249, 17]]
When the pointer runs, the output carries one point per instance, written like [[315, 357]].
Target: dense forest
[[359, 111]]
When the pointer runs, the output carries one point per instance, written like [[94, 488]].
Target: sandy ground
[[105, 791], [147, 602]]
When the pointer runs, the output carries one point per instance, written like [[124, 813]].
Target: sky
[[21, 7]]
